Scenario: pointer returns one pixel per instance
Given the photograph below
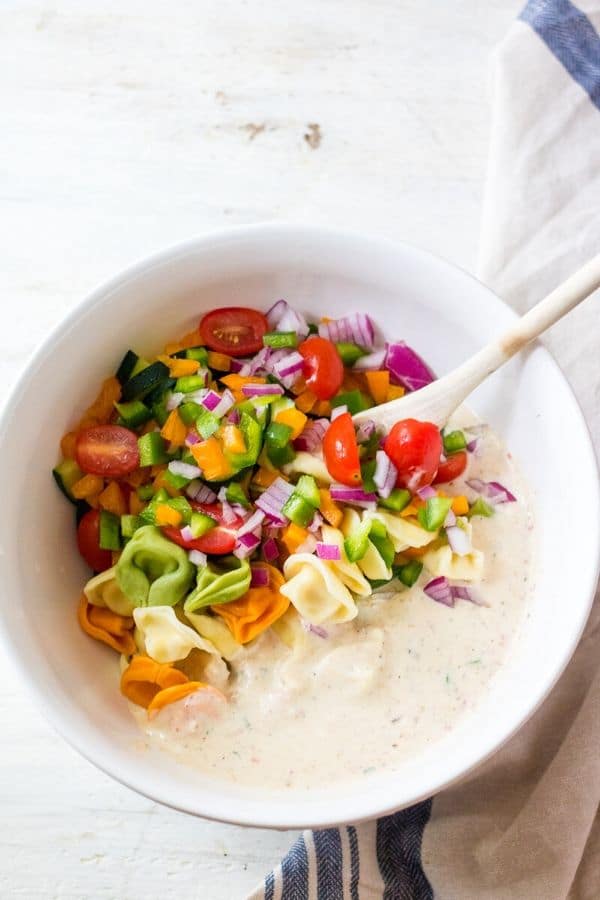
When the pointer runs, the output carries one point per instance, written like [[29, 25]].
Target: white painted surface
[[129, 126]]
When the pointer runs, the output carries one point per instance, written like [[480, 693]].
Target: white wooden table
[[128, 126]]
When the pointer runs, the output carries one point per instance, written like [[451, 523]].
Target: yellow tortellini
[[216, 631], [316, 591], [104, 590], [289, 628], [403, 534], [460, 568], [164, 637], [372, 564], [349, 573]]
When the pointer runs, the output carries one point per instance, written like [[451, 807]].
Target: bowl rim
[[70, 731]]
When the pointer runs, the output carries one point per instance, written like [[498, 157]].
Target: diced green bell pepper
[[133, 414], [367, 470], [350, 353], [281, 456], [130, 524], [207, 423], [298, 510], [149, 513], [409, 573], [110, 531], [279, 340], [152, 449], [454, 441], [189, 383], [182, 506], [432, 515], [145, 491], [234, 493], [277, 443], [253, 438], [398, 499], [200, 523], [481, 508], [175, 481], [198, 353], [355, 401], [383, 544], [190, 412], [308, 489], [357, 542]]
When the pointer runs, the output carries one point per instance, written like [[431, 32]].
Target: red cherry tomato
[[107, 450], [88, 541], [341, 451], [414, 448], [323, 367], [234, 330], [219, 540], [454, 466]]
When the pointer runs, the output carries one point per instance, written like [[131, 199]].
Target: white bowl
[[446, 315]]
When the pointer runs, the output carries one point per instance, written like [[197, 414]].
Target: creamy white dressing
[[377, 689]]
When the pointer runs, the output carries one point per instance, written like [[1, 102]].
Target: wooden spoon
[[437, 401]]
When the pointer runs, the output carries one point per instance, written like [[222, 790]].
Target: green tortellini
[[103, 590], [152, 570], [219, 585]]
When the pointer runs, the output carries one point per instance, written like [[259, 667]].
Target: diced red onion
[[175, 400], [275, 520], [371, 361], [239, 510], [258, 362], [450, 519], [259, 576], [253, 522], [308, 545], [356, 496], [460, 592], [426, 493], [240, 366], [281, 317], [407, 367], [273, 499], [184, 469], [200, 492], [492, 490], [328, 551], [472, 445], [261, 390], [312, 435], [316, 629], [459, 540], [439, 590], [385, 474], [186, 533], [365, 430], [338, 411], [317, 521], [211, 401], [356, 328], [270, 550], [291, 364], [197, 558], [227, 401], [234, 417], [272, 531], [246, 545], [227, 512], [192, 438]]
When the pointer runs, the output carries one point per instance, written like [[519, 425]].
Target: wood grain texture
[[128, 126]]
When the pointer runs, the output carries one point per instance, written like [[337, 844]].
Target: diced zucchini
[[66, 473], [307, 487], [298, 510], [152, 449], [110, 531], [145, 381], [133, 414], [126, 366], [160, 392]]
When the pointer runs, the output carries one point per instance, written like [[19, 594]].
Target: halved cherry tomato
[[414, 448], [340, 450], [234, 330], [219, 540], [454, 466], [88, 541], [323, 367], [107, 450]]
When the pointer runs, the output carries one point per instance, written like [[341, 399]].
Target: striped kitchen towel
[[525, 826]]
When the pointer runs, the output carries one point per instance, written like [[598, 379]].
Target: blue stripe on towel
[[270, 886], [570, 35], [328, 852], [399, 854], [354, 862], [294, 871]]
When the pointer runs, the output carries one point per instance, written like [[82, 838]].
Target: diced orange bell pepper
[[265, 477], [179, 368], [67, 444], [293, 537], [191, 339], [350, 382], [174, 430], [144, 678], [161, 482], [299, 386], [322, 408], [135, 504], [87, 487], [138, 477], [112, 500], [233, 439], [410, 510], [236, 382], [379, 385], [460, 505], [166, 515], [175, 693], [219, 361], [306, 401], [295, 419], [329, 508], [104, 625], [209, 456], [394, 392], [257, 609], [103, 407]]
